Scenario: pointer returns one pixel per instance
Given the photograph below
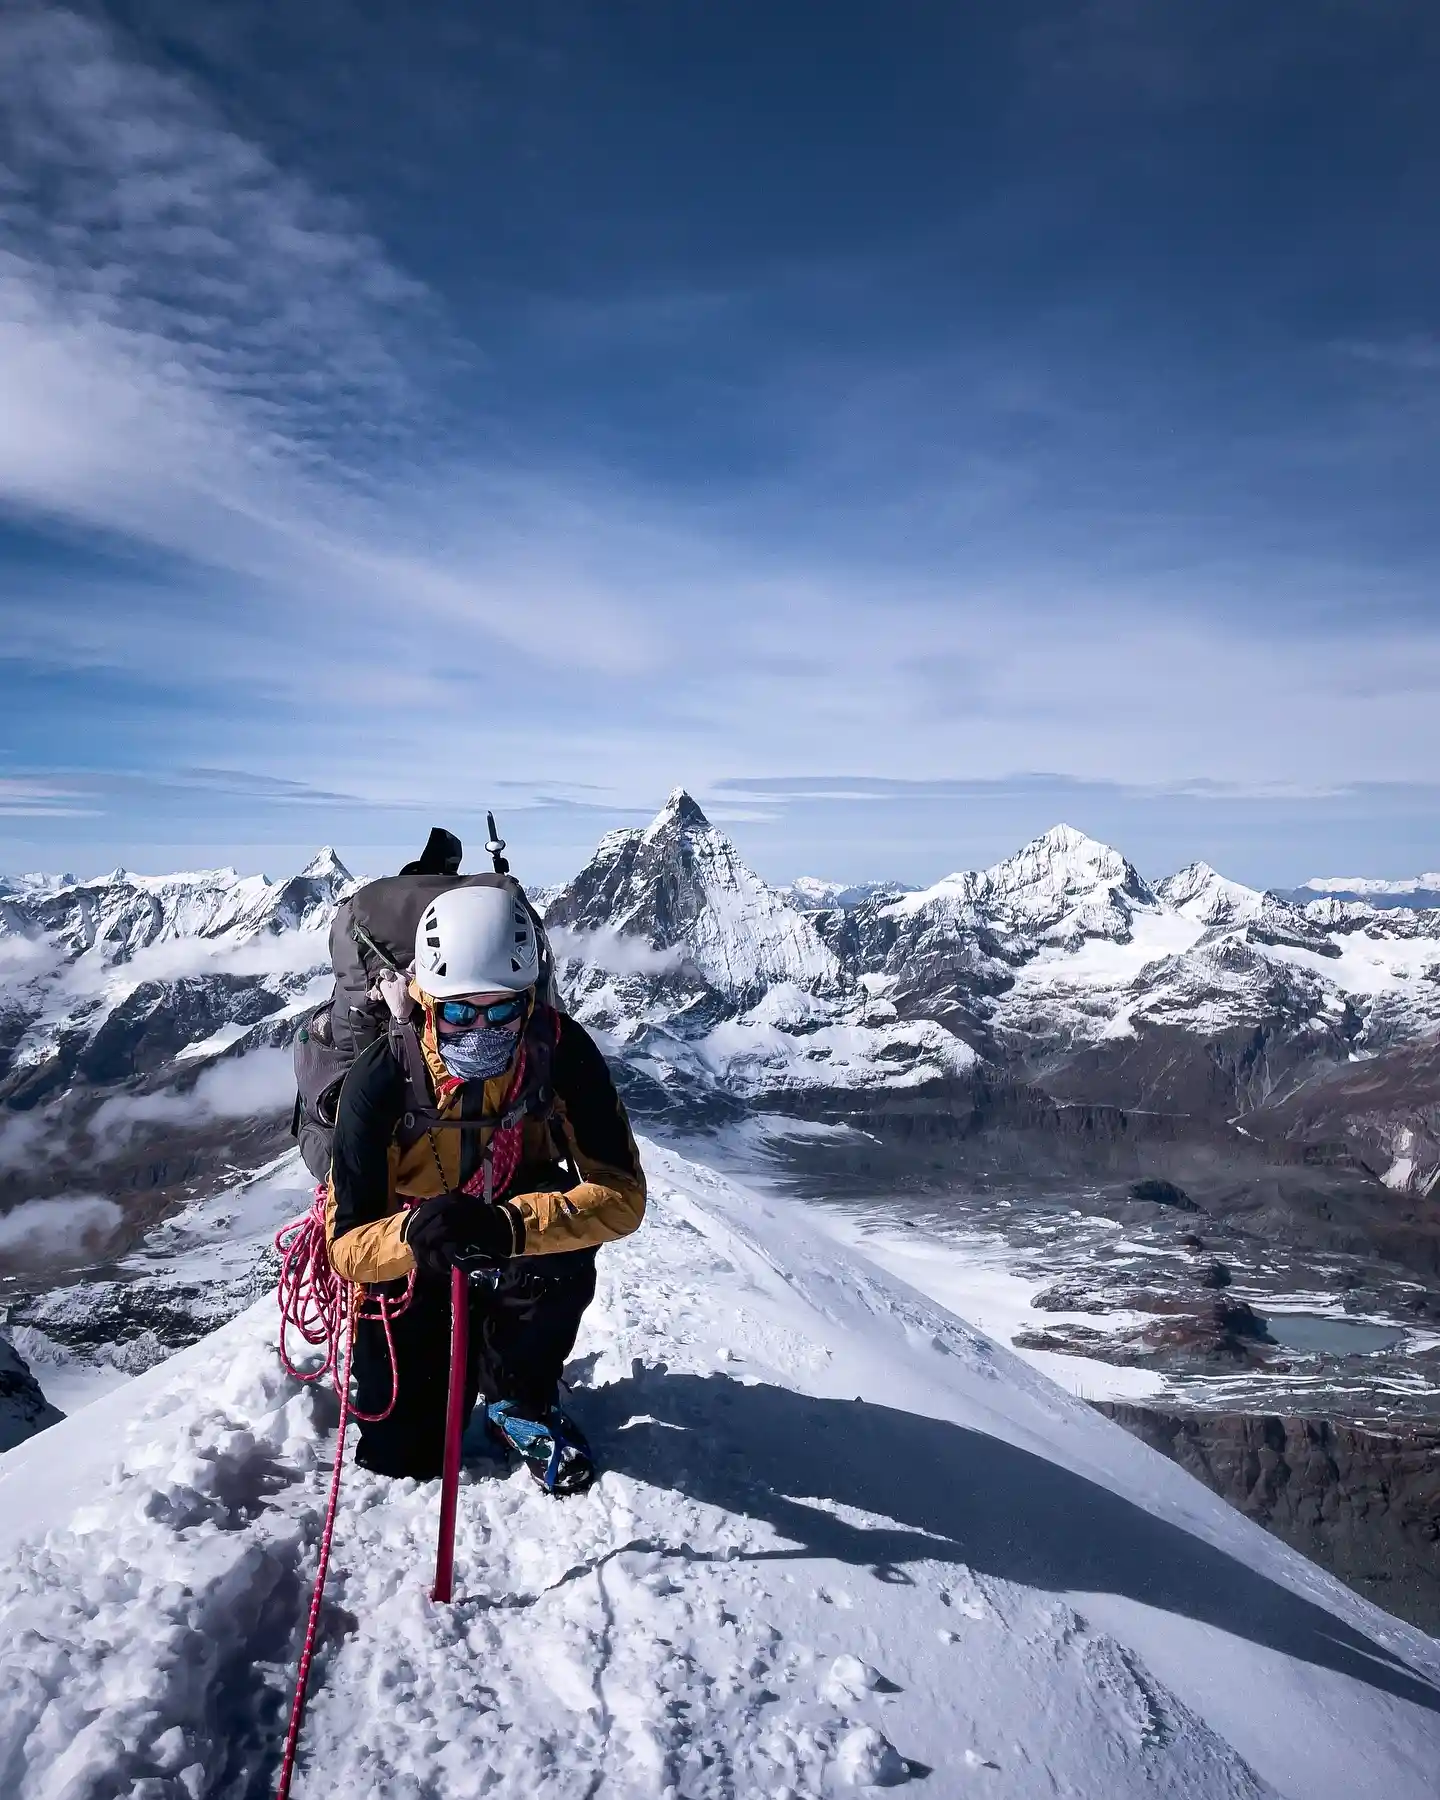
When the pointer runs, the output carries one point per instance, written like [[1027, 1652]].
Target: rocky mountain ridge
[[1190, 1009], [1056, 1021]]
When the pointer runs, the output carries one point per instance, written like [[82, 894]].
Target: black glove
[[457, 1231]]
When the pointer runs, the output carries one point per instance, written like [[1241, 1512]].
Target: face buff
[[477, 1055]]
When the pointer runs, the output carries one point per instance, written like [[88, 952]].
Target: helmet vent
[[514, 965]]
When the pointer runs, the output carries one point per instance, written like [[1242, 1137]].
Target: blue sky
[[904, 425]]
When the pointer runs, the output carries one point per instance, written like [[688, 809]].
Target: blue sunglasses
[[466, 1012]]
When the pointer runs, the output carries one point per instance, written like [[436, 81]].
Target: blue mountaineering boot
[[553, 1449]]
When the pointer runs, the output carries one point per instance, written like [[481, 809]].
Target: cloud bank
[[619, 952], [57, 1230]]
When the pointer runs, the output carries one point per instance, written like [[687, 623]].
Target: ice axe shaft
[[454, 1431]]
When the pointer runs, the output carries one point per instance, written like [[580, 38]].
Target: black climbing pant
[[521, 1331]]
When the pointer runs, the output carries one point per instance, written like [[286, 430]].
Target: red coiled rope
[[317, 1304]]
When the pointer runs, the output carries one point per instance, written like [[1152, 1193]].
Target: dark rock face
[[1186, 1330], [1209, 1077], [143, 1033], [162, 1017], [24, 1410], [1011, 1131], [1163, 1193], [1381, 1115], [1363, 1504]]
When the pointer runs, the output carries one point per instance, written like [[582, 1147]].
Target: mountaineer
[[481, 1132]]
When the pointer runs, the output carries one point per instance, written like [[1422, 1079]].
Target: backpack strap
[[537, 1095]]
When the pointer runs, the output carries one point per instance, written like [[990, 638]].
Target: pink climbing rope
[[316, 1304], [302, 1677], [324, 1311]]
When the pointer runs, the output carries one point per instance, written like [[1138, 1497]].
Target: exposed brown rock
[[1363, 1504]]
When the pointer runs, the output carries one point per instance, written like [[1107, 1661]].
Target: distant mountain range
[[1057, 995], [1414, 890]]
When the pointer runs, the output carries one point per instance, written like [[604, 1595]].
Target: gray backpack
[[373, 934]]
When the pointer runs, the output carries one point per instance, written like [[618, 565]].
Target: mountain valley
[[1112, 1086]]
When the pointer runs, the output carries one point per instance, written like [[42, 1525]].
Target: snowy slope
[[778, 1587], [1202, 893]]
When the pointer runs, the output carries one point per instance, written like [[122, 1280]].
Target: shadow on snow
[[953, 1495]]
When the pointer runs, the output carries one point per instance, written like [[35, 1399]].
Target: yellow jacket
[[374, 1168]]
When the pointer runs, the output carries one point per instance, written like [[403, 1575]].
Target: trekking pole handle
[[496, 846]]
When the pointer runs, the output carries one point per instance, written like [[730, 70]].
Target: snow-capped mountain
[[1060, 963], [1200, 892], [1059, 889], [810, 893], [112, 978], [680, 885], [144, 1020], [1412, 890], [704, 975], [841, 1541]]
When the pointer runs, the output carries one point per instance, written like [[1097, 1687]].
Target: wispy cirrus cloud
[[1414, 353], [678, 479], [154, 255], [205, 354], [22, 798]]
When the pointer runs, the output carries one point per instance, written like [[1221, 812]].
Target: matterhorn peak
[[679, 813], [325, 865]]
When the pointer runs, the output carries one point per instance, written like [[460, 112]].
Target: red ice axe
[[454, 1431]]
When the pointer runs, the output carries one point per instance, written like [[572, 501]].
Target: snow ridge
[[777, 1586]]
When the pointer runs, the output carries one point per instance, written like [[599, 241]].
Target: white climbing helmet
[[476, 940]]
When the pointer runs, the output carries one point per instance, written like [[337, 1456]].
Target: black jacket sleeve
[[362, 1221]]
